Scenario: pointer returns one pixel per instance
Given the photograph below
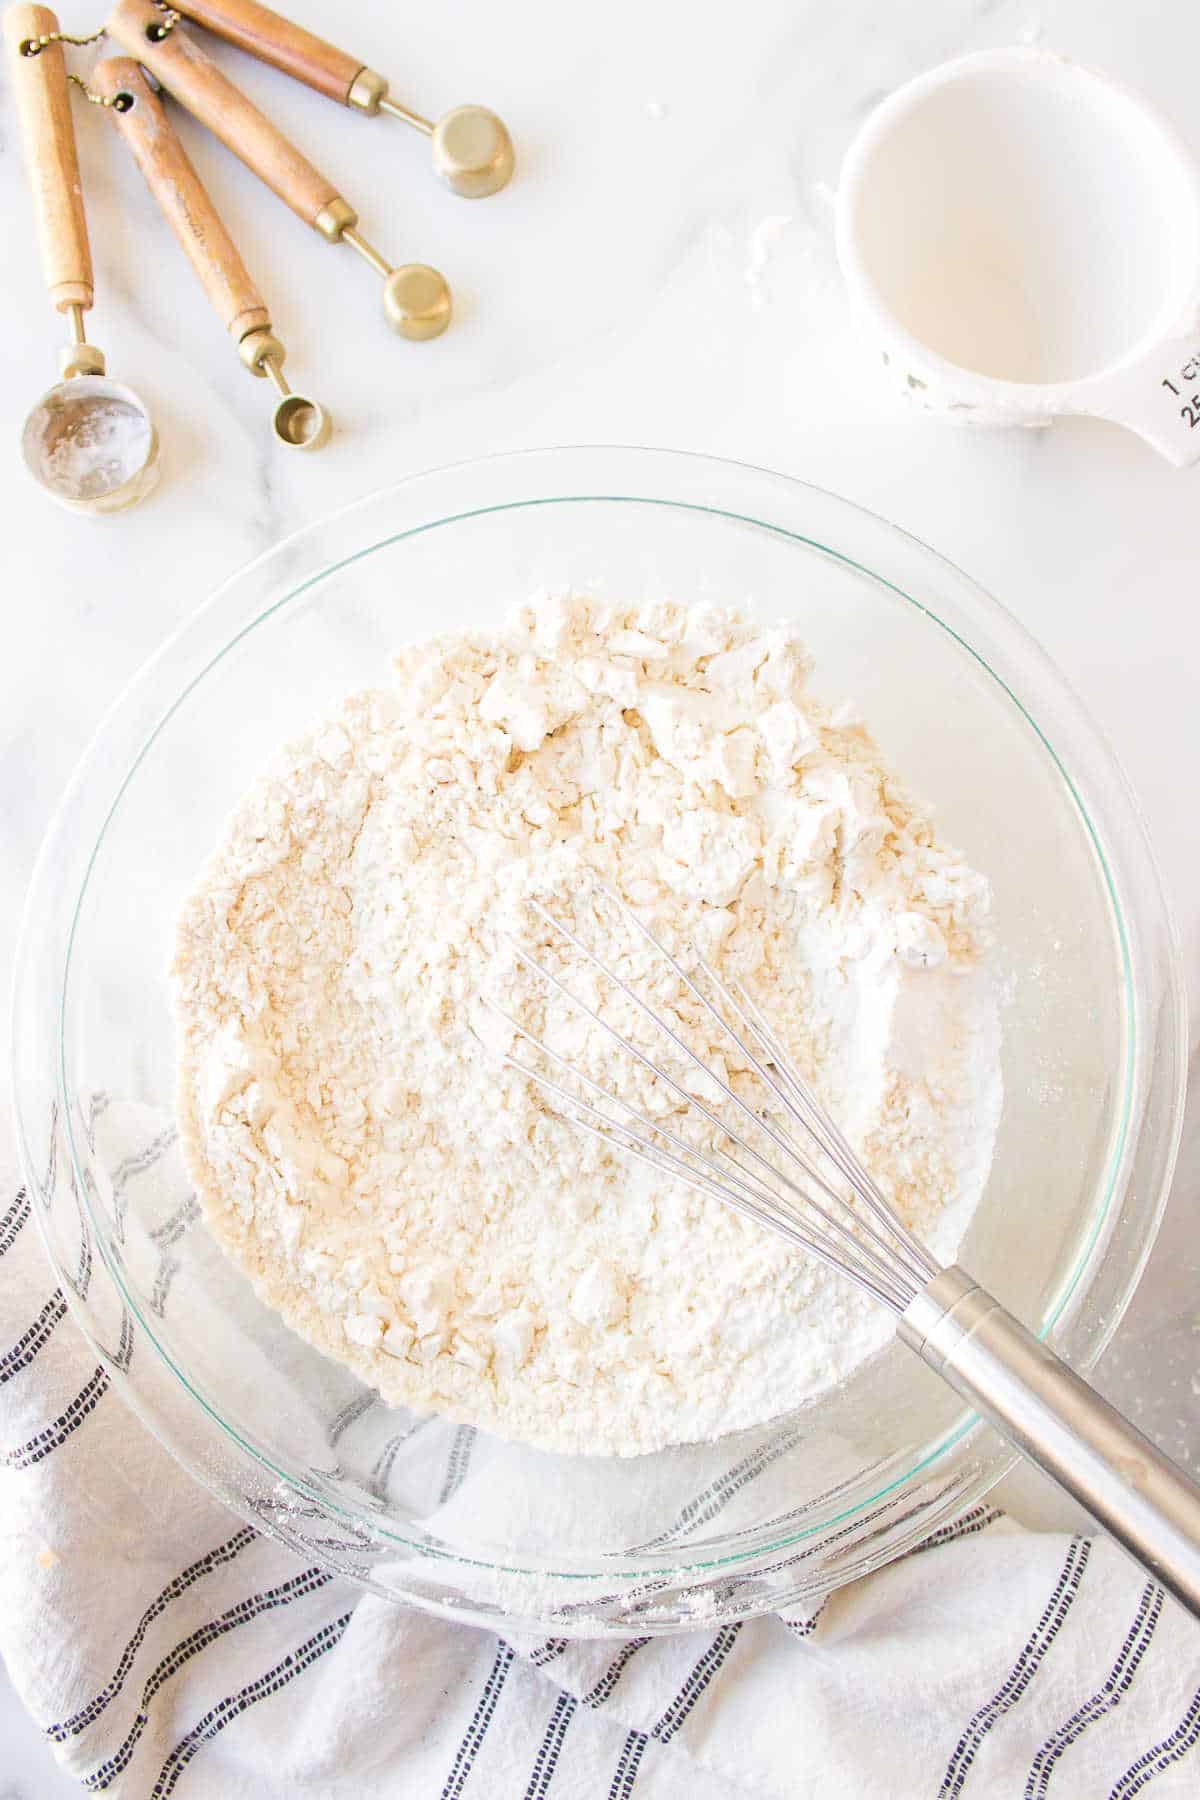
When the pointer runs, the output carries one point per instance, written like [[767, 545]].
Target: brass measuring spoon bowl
[[92, 445], [472, 151], [300, 423], [89, 441], [297, 422], [416, 301]]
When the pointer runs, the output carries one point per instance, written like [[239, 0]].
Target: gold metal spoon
[[472, 151], [416, 298], [89, 441], [139, 115]]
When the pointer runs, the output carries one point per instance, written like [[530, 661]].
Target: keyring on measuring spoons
[[416, 299], [141, 119], [88, 441], [472, 151], [1020, 237]]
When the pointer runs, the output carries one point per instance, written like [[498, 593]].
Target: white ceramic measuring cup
[[1021, 238]]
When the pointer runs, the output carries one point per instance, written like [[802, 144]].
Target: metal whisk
[[787, 1166]]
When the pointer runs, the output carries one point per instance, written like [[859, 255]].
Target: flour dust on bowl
[[457, 1518]]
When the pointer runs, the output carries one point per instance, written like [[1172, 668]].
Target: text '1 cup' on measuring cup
[[1020, 237]]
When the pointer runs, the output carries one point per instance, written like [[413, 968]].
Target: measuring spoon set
[[90, 440]]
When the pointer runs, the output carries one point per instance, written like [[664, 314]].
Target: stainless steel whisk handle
[[1139, 1495]]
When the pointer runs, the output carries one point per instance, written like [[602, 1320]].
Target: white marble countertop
[[622, 290]]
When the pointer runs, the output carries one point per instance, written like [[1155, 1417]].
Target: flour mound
[[413, 1204]]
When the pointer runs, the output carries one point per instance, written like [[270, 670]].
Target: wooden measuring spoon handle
[[179, 65], [276, 40], [182, 196], [44, 106]]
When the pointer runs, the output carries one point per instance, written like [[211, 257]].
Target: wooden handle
[[276, 40], [182, 196], [44, 106], [182, 68]]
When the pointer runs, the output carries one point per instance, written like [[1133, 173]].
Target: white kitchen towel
[[166, 1648]]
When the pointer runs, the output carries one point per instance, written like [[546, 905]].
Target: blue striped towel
[[165, 1648]]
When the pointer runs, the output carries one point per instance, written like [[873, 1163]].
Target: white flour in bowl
[[411, 1204]]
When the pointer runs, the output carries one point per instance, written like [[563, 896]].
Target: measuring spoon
[[138, 113], [472, 151], [416, 299], [1021, 236], [89, 441]]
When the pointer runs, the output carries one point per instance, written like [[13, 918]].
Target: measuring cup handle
[[1158, 397], [182, 196], [181, 67], [276, 40], [44, 107]]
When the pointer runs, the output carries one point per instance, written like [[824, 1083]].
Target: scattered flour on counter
[[408, 1201], [761, 246]]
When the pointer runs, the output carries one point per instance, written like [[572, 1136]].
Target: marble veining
[[660, 272]]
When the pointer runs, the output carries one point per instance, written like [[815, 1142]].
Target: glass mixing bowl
[[965, 707]]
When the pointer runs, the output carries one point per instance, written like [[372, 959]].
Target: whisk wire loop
[[870, 1245], [761, 1202], [781, 1142], [782, 1222], [804, 1109], [809, 1116]]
